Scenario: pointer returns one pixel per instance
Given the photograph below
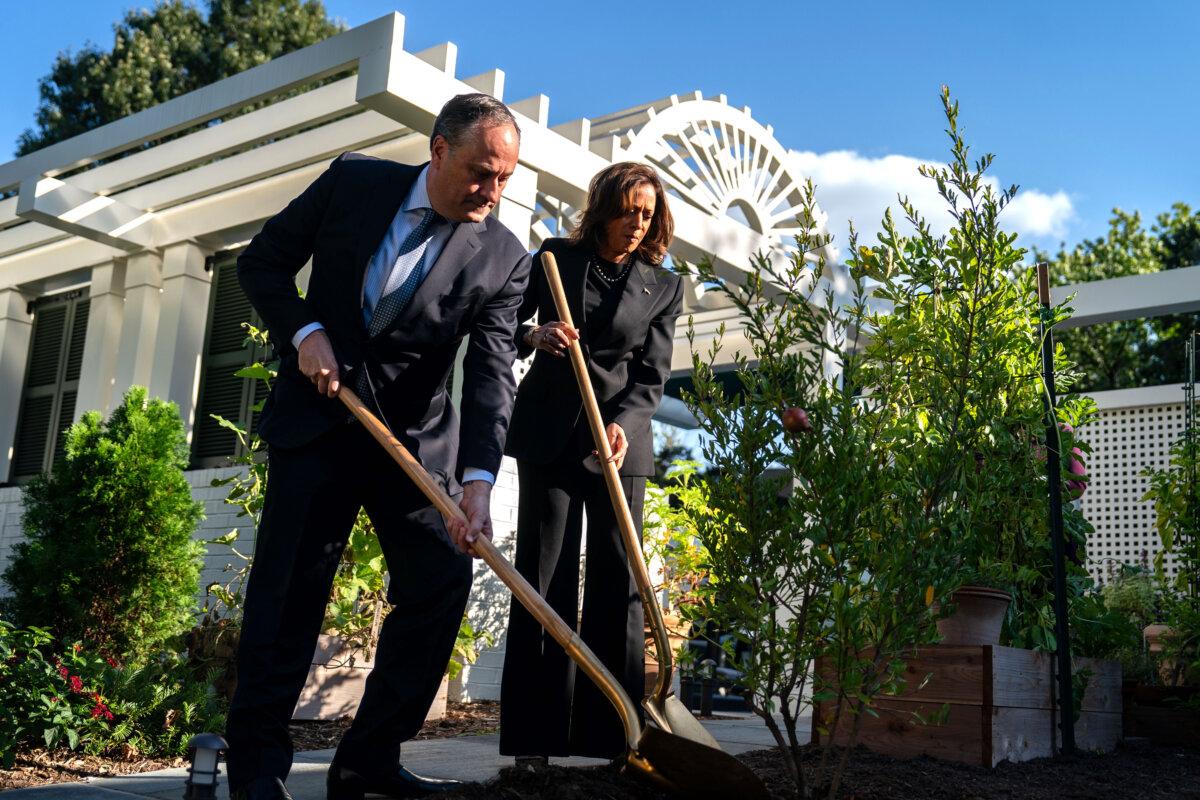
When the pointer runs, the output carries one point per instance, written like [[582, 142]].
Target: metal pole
[[1062, 631]]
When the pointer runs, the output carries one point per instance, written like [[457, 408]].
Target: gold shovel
[[678, 765], [662, 705]]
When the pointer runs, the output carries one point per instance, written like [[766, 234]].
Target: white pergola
[[131, 210]]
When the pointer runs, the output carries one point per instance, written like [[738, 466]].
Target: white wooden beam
[[577, 131], [374, 40], [1154, 294], [537, 108], [443, 56], [77, 211]]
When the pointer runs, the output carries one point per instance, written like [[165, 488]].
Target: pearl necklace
[[599, 267]]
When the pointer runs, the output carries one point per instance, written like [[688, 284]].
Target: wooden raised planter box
[[1156, 713], [999, 707], [336, 681]]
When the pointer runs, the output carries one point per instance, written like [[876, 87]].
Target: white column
[[515, 209], [105, 312], [175, 374], [16, 326], [143, 301]]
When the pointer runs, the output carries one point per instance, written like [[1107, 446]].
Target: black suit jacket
[[475, 288], [629, 363]]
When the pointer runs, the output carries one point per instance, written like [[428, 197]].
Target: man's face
[[465, 182]]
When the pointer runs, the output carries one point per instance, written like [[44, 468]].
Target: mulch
[[37, 766]]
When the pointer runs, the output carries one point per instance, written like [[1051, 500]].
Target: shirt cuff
[[473, 474], [303, 333]]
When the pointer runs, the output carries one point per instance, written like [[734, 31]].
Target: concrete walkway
[[468, 758]]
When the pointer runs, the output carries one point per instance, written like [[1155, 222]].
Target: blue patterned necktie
[[389, 306], [392, 303]]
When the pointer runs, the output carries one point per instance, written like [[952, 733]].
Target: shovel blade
[[672, 716], [689, 769]]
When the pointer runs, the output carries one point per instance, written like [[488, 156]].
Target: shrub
[[109, 558], [45, 700], [70, 697]]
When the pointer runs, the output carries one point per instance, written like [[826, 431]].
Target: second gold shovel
[[662, 705]]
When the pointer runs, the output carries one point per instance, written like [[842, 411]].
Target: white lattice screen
[[1135, 430]]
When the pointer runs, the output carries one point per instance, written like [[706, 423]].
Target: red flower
[[76, 684], [101, 710], [112, 662], [63, 671]]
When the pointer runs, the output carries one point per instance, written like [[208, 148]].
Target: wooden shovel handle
[[526, 594], [612, 479]]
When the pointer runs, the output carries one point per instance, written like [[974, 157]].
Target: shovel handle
[[526, 594], [612, 479]]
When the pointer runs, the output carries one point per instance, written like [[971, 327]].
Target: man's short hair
[[463, 112]]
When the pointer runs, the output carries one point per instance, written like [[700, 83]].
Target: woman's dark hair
[[463, 112], [609, 197]]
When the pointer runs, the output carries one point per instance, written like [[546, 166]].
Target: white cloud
[[856, 188]]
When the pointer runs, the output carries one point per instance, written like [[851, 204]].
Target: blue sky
[[1088, 105]]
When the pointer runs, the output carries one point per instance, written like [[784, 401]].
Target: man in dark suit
[[406, 262]]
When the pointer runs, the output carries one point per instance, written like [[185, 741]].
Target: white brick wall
[[489, 598], [219, 519], [10, 527]]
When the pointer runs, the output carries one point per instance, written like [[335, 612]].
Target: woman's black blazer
[[629, 363]]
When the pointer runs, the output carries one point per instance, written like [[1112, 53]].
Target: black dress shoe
[[343, 783], [261, 789]]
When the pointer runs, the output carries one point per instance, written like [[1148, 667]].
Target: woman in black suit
[[625, 305]]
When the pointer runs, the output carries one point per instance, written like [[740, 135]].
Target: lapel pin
[[646, 290]]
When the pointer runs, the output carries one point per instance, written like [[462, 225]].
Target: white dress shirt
[[379, 275]]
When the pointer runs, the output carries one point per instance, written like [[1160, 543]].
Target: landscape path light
[[202, 774]]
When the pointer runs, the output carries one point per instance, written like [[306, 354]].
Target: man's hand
[[476, 503], [317, 363], [617, 443]]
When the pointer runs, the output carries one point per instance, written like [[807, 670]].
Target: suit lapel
[[381, 203], [641, 290], [572, 270]]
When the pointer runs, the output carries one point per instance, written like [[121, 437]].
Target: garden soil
[[1135, 771]]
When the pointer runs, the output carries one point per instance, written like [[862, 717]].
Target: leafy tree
[[816, 548], [109, 557], [1138, 352], [164, 52]]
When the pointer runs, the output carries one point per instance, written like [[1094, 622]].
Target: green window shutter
[[45, 352], [51, 382], [33, 431], [222, 393], [77, 340]]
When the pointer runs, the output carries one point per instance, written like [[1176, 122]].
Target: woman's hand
[[617, 443], [553, 337]]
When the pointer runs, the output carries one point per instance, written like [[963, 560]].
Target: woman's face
[[624, 233]]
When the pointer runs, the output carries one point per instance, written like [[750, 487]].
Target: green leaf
[[255, 372]]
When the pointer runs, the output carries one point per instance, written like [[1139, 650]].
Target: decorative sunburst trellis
[[710, 155]]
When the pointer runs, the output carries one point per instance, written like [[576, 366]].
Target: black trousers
[[544, 708], [312, 498]]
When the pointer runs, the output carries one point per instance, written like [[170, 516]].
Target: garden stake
[[678, 765], [1062, 633], [662, 705]]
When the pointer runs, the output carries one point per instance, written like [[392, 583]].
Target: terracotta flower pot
[[1154, 634], [977, 618]]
